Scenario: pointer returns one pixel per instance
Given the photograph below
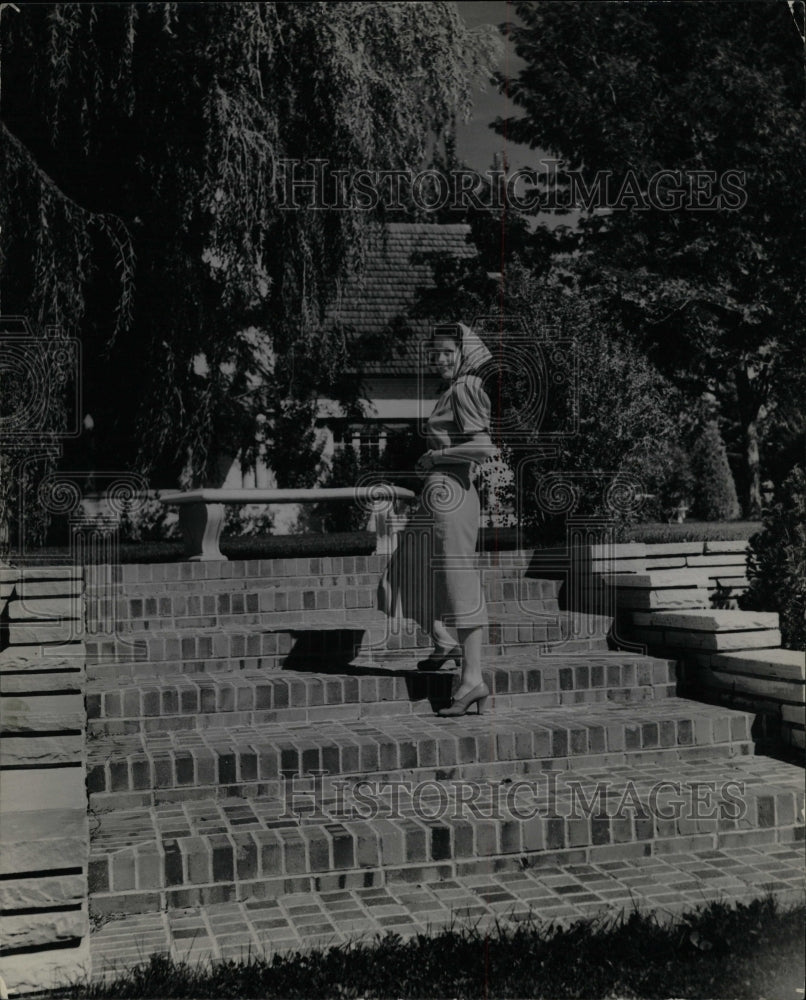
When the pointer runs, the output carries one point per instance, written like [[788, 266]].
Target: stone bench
[[201, 512]]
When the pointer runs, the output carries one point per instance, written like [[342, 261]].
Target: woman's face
[[444, 353]]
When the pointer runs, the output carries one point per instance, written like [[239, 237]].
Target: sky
[[476, 141]]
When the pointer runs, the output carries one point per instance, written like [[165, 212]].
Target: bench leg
[[385, 523], [201, 525]]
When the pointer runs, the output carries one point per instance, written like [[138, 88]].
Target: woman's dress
[[432, 575]]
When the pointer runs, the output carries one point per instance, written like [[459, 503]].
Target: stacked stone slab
[[226, 679], [733, 658], [44, 833], [769, 682], [717, 567], [674, 575], [678, 601]]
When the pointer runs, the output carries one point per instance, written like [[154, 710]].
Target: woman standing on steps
[[432, 577]]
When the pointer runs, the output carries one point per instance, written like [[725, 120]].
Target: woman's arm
[[471, 413]]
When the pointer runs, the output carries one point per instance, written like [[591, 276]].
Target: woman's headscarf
[[472, 353]]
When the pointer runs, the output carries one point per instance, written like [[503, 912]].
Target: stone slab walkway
[[561, 894]]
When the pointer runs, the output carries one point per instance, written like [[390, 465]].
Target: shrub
[[776, 565], [358, 543], [593, 410], [715, 492], [149, 520], [629, 426], [690, 531], [332, 516], [677, 487], [395, 465], [247, 520]]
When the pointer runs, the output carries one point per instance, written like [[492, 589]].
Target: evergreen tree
[[714, 491]]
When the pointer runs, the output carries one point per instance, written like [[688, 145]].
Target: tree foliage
[[713, 291], [776, 565], [615, 416], [571, 392], [141, 200]]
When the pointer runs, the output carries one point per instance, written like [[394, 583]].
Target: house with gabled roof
[[398, 269], [380, 305]]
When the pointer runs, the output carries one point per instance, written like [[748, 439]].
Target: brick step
[[213, 851], [343, 664], [133, 576], [133, 599], [249, 760], [252, 595], [294, 922], [315, 636], [498, 585], [118, 704], [275, 610]]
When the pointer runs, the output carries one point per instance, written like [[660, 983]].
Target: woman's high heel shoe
[[437, 660], [478, 696]]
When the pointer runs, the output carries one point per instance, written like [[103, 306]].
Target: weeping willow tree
[[141, 200]]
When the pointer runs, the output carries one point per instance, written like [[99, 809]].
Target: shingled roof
[[396, 271]]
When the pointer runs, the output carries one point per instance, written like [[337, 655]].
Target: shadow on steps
[[335, 651]]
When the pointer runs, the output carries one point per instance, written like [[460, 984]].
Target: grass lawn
[[749, 950]]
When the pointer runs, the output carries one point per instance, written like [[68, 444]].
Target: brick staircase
[[227, 679]]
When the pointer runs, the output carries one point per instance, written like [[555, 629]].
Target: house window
[[367, 441]]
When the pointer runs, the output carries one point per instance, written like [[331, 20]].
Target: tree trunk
[[749, 409]]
